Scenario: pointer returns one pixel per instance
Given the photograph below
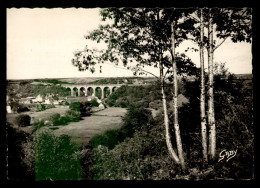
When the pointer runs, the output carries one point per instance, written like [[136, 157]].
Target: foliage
[[23, 120], [109, 139], [138, 35], [136, 119], [142, 157], [38, 124], [56, 158], [129, 158], [56, 90], [23, 109], [51, 81], [20, 154], [140, 96], [95, 103], [39, 107], [233, 112], [72, 115], [113, 81], [83, 107], [55, 118], [126, 96]]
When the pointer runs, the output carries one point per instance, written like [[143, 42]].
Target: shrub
[[142, 157], [39, 107], [64, 120], [22, 109], [56, 158], [83, 107], [55, 117], [73, 115], [109, 139], [38, 124], [95, 103], [75, 106], [23, 120], [20, 154], [136, 119]]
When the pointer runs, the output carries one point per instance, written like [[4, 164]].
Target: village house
[[25, 100], [39, 98], [55, 102], [8, 107]]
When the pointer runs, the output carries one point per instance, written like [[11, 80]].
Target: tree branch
[[164, 76], [194, 18], [220, 43], [148, 72]]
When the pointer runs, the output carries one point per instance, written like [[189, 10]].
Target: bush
[[23, 120], [56, 158], [22, 109], [38, 124], [83, 107], [55, 117], [109, 139], [95, 103], [64, 120], [73, 115], [39, 107], [20, 154], [142, 157], [74, 106], [134, 120]]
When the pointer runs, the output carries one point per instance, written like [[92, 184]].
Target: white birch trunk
[[175, 101], [202, 92], [166, 118], [211, 114]]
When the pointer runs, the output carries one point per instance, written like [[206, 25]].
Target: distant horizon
[[101, 77]]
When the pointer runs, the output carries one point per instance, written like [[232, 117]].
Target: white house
[[47, 101], [8, 109], [39, 98], [55, 102], [101, 106]]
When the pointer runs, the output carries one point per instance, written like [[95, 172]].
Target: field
[[39, 115], [84, 130]]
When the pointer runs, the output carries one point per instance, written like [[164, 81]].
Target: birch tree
[[144, 36], [202, 91], [224, 23]]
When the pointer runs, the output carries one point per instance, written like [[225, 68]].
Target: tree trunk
[[202, 92], [211, 113], [175, 101], [166, 118]]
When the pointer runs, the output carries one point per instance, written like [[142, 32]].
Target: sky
[[41, 42]]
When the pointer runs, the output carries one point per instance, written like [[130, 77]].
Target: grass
[[85, 129], [44, 115]]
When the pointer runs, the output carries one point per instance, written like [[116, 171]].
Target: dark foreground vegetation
[[138, 150]]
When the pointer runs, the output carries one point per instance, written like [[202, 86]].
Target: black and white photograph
[[129, 93]]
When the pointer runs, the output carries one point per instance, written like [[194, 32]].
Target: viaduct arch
[[91, 90]]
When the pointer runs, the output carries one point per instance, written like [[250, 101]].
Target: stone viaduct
[[90, 90]]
